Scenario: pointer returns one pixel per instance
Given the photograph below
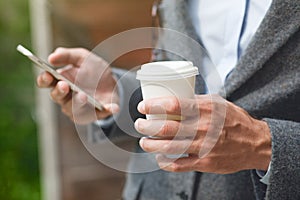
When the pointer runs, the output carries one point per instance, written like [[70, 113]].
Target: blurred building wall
[[69, 172]]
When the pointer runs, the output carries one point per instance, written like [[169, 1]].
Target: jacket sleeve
[[285, 171]]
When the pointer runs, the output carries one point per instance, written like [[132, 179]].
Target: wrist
[[263, 145]]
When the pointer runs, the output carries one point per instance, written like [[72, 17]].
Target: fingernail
[[138, 126], [141, 142], [113, 108], [141, 107], [60, 88], [146, 127], [61, 91], [45, 79]]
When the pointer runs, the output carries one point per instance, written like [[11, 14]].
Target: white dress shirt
[[225, 29]]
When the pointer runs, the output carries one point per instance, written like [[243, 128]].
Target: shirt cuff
[[105, 122], [265, 175]]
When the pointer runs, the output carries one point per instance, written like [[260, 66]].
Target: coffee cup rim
[[167, 70]]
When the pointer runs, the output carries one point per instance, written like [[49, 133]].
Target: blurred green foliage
[[19, 168]]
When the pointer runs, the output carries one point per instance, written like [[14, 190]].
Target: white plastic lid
[[167, 70]]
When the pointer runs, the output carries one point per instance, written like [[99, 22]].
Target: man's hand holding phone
[[92, 74]]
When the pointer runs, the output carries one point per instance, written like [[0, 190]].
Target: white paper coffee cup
[[167, 78]]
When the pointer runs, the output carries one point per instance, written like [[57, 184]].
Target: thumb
[[112, 108], [65, 56]]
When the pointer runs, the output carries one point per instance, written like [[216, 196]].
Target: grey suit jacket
[[266, 83]]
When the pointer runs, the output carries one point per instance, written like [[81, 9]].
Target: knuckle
[[224, 137], [204, 126], [84, 51], [167, 148], [194, 107], [174, 104], [174, 167], [166, 129]]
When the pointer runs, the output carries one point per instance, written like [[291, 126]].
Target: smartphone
[[45, 66]]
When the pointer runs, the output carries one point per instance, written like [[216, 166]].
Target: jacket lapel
[[177, 14], [281, 21]]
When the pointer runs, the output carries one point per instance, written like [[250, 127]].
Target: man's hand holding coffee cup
[[238, 139], [92, 74]]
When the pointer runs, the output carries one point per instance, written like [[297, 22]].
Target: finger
[[165, 128], [194, 163], [88, 114], [169, 105], [109, 109], [61, 93], [112, 108], [46, 80], [79, 100], [75, 106], [83, 112], [64, 56], [183, 164], [66, 108], [178, 146]]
